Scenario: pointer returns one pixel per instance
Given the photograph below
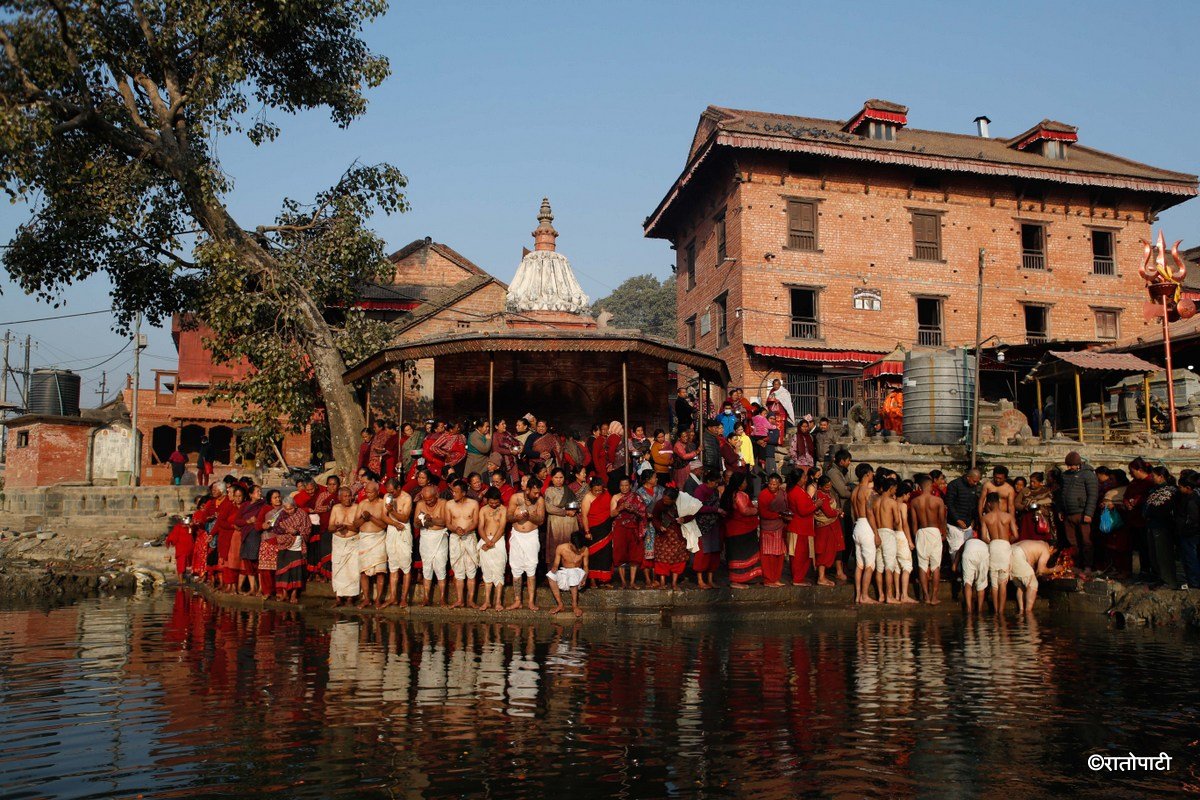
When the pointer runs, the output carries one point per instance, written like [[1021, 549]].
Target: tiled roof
[[395, 291], [447, 252], [442, 299], [1089, 360], [913, 147]]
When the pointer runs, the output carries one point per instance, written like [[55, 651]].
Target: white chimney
[[981, 126]]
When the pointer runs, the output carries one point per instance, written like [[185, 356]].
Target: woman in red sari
[[233, 555], [708, 518], [684, 452], [741, 533], [800, 526], [629, 514], [250, 538], [772, 516], [204, 512], [225, 514], [596, 515], [828, 541], [505, 447], [268, 548]]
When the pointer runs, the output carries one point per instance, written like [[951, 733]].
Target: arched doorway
[[162, 443], [220, 440]]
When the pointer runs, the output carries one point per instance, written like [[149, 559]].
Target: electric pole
[[978, 345], [25, 374], [4, 395], [135, 451], [103, 386]]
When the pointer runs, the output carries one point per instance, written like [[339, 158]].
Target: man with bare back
[[399, 542], [928, 514], [492, 553], [999, 529], [865, 538], [1030, 558], [569, 571], [904, 542], [888, 520], [429, 513], [463, 520], [1000, 487], [526, 512]]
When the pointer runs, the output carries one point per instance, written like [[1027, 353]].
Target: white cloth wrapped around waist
[[688, 506]]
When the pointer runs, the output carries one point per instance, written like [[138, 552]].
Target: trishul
[[1160, 272]]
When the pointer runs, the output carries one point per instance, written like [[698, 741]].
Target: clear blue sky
[[493, 106]]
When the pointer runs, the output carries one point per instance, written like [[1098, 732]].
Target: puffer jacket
[[1080, 490]]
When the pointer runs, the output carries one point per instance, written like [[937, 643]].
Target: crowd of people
[[759, 497]]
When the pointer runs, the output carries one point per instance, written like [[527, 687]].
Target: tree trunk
[[342, 411]]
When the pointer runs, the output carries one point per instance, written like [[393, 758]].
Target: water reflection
[[181, 698]]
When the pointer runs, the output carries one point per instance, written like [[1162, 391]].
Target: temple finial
[[544, 235]]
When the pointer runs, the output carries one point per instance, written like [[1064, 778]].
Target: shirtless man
[[492, 556], [399, 542], [429, 512], [372, 545], [999, 486], [999, 529], [463, 518], [1030, 558], [343, 524], [526, 512], [904, 541], [865, 539], [569, 571], [889, 519], [928, 517]]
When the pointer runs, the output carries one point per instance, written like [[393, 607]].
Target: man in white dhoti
[[399, 543], [343, 523], [462, 517], [429, 513], [493, 555], [372, 545], [526, 511]]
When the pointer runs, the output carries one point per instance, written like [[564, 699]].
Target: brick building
[[808, 248]]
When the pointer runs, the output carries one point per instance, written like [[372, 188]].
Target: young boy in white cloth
[[492, 554], [975, 573], [569, 571]]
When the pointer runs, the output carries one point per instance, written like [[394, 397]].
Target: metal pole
[[1103, 419], [625, 408], [701, 422], [491, 391], [1170, 371], [1146, 400], [403, 380], [1079, 406], [135, 459], [978, 345], [1041, 420]]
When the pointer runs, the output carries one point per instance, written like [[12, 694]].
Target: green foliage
[[110, 113], [642, 302]]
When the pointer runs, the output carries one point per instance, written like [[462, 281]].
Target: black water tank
[[54, 391]]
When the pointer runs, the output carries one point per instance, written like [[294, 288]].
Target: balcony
[[805, 328], [929, 335], [1104, 265], [928, 252], [1035, 338], [1033, 259]]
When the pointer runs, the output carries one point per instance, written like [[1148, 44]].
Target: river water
[[175, 697]]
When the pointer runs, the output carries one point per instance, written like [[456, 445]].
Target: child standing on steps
[[569, 571]]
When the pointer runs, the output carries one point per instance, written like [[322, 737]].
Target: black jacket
[[1080, 490], [962, 501]]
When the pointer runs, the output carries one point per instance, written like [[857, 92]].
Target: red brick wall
[[865, 240], [427, 267], [55, 454]]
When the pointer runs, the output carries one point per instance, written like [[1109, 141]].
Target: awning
[[849, 357], [1052, 364], [891, 364]]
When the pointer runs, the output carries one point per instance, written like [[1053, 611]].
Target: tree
[[110, 114], [642, 302]]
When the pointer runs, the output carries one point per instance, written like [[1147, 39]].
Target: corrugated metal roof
[[1114, 362]]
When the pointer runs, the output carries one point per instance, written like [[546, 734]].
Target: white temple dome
[[545, 280]]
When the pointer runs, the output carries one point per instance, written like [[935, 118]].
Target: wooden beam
[[1146, 400], [1041, 420], [625, 408]]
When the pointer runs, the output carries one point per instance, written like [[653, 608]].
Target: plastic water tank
[[54, 391], [938, 389]]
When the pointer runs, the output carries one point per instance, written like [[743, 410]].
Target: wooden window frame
[[794, 230], [1033, 261], [1116, 318], [689, 265], [802, 328], [721, 326], [1111, 260], [722, 236], [929, 335], [917, 244], [1045, 335], [689, 327]]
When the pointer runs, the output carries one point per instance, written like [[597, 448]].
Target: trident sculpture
[[1165, 287]]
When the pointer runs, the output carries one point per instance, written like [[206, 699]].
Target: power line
[[124, 347], [57, 317]]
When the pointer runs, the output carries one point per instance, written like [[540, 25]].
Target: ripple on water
[[175, 697]]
